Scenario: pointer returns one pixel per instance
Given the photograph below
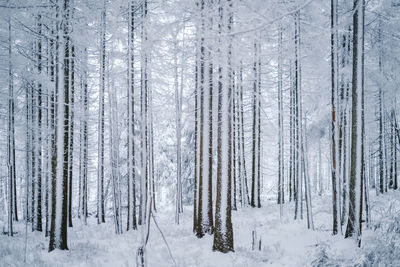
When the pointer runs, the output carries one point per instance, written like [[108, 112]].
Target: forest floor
[[284, 242]]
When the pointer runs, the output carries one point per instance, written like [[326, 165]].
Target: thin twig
[[165, 241]]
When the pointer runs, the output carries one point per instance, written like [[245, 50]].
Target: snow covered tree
[[281, 174], [59, 211], [223, 233], [334, 123], [256, 130], [84, 141], [12, 198], [131, 217], [101, 127], [354, 225], [204, 201]]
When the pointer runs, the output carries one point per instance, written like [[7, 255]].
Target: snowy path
[[285, 243]]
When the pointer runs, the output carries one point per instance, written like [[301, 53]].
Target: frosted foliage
[[230, 132]]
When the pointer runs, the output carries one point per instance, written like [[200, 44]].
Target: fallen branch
[[165, 240]]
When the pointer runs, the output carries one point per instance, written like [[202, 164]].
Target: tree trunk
[[334, 123], [223, 234], [356, 170], [71, 132], [100, 166], [12, 211], [281, 175], [59, 220], [245, 188], [255, 185], [177, 134], [381, 120], [131, 218]]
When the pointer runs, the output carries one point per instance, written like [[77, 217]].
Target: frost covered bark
[[223, 233], [354, 225]]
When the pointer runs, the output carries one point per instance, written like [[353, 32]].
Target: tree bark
[[101, 128], [356, 170]]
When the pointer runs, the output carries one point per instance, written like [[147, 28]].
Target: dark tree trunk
[[131, 218], [223, 233], [100, 176], [357, 162], [71, 132]]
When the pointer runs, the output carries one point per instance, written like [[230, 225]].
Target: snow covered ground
[[283, 243]]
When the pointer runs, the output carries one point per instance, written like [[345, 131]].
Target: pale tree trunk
[[10, 139], [49, 130], [346, 131], [391, 143], [151, 144], [37, 126], [53, 126], [395, 140], [310, 221], [301, 171], [259, 184], [183, 56], [83, 143], [100, 165], [114, 153], [178, 108], [245, 188], [196, 134], [236, 118], [281, 175], [234, 143], [51, 54], [145, 183], [242, 173], [71, 130], [28, 159], [207, 173], [143, 197]]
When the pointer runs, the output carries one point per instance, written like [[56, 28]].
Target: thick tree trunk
[[223, 234], [357, 169], [205, 204], [59, 217]]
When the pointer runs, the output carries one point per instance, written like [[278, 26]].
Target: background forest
[[199, 132]]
